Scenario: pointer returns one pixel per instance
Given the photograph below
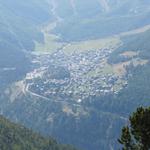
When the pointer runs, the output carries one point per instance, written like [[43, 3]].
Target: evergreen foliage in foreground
[[137, 135], [16, 137]]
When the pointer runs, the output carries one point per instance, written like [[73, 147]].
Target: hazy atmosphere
[[72, 72]]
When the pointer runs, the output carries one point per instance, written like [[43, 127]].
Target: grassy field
[[51, 43], [92, 45], [129, 54]]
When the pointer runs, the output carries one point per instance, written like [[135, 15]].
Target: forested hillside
[[88, 19], [16, 137], [83, 88], [20, 21], [137, 91], [19, 28]]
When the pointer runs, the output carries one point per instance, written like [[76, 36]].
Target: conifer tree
[[136, 136]]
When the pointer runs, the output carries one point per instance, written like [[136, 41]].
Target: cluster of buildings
[[87, 75]]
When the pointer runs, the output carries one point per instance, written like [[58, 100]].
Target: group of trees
[[136, 136]]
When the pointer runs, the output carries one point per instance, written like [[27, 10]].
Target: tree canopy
[[136, 136]]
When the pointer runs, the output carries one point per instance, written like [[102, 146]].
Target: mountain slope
[[137, 92], [16, 137], [56, 94], [104, 16], [95, 118], [19, 29]]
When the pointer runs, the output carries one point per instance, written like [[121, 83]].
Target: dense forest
[[17, 137]]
